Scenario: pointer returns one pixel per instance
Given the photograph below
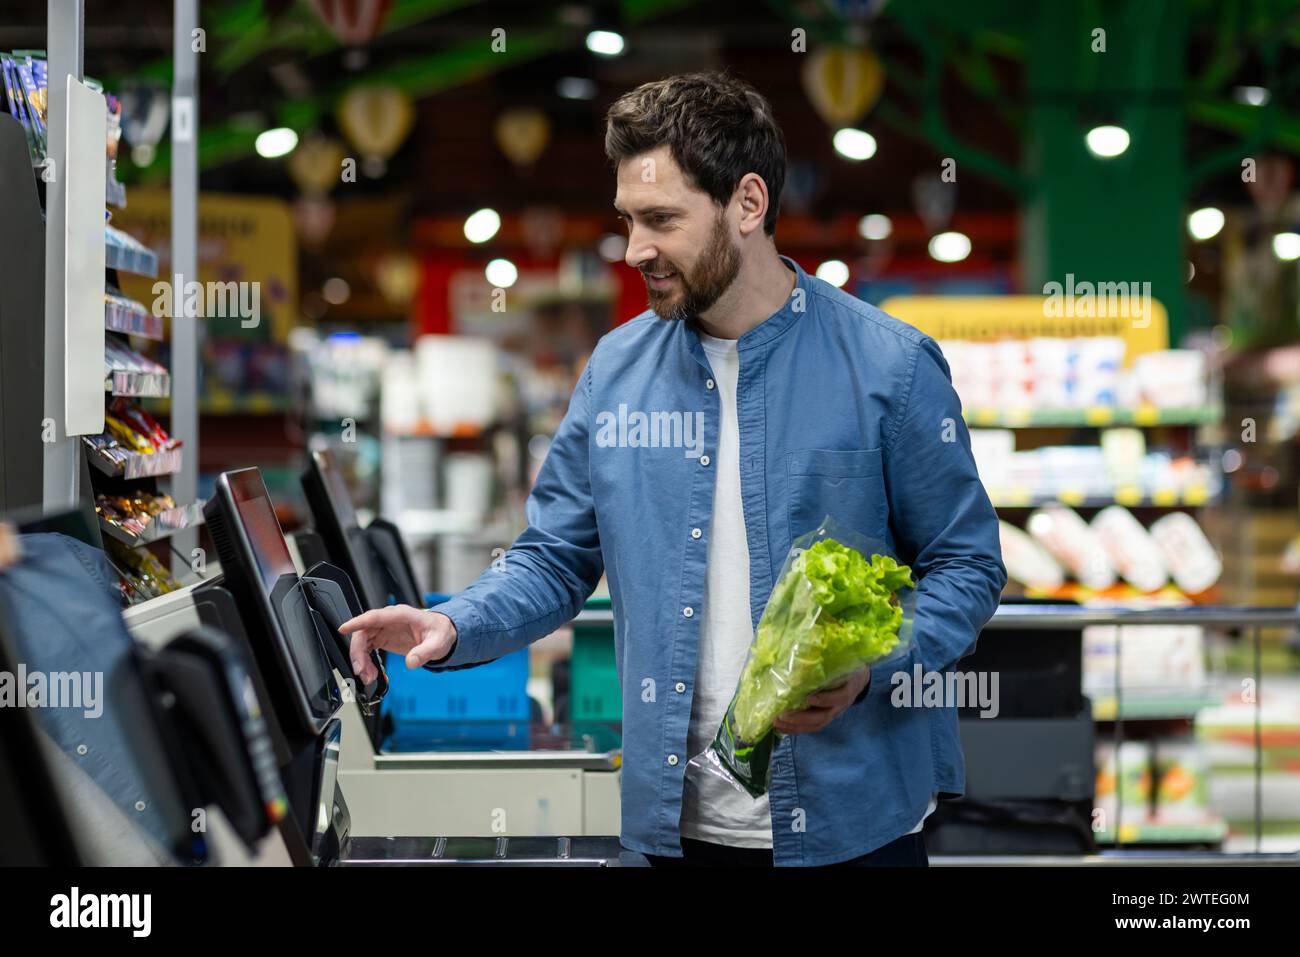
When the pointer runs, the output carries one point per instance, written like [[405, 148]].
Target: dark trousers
[[907, 851]]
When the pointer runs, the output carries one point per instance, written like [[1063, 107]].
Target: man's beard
[[714, 273]]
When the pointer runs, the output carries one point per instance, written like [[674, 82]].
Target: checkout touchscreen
[[260, 572], [374, 558], [336, 521]]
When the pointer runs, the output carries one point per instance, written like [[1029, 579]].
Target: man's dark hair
[[717, 128]]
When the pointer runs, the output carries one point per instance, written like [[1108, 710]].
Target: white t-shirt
[[712, 809]]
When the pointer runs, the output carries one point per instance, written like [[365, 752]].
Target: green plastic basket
[[594, 693]]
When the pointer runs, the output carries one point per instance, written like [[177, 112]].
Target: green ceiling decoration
[[247, 33], [963, 36], [242, 32]]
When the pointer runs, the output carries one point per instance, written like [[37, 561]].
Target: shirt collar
[[781, 320], [771, 327]]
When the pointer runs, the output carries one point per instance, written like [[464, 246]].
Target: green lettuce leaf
[[832, 614]]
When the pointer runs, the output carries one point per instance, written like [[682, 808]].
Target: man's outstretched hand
[[421, 635]]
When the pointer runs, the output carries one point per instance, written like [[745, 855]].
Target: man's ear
[[751, 192]]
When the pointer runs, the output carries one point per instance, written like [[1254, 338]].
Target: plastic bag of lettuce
[[839, 605]]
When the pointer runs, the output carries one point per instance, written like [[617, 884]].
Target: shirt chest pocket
[[848, 485]]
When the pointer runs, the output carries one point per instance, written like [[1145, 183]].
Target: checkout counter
[[450, 778], [319, 731], [229, 714]]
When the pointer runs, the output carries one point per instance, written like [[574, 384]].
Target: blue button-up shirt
[[843, 411]]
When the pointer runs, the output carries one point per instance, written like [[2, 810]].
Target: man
[[702, 438]]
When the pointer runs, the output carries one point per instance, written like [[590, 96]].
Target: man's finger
[[805, 716], [359, 652], [371, 619], [802, 723], [811, 709], [9, 550], [367, 672], [830, 699]]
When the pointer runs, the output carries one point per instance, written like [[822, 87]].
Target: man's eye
[[660, 219]]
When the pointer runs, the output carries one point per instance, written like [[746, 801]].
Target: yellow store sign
[[243, 240], [1124, 310]]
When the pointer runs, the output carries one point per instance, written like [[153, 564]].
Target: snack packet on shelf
[[1130, 548], [1069, 539]]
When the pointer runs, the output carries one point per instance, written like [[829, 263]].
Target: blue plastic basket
[[496, 691]]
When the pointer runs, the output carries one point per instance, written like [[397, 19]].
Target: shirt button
[[708, 383], [688, 611], [704, 460], [696, 533], [672, 760], [681, 687]]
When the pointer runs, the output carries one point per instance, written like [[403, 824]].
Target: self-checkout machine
[[254, 592], [208, 604], [451, 776], [289, 622]]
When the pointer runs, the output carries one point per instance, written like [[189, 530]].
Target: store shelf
[[138, 384], [136, 464], [134, 320], [255, 403], [1096, 416], [597, 290], [423, 428], [1130, 497], [115, 193], [124, 258], [1148, 706], [160, 526], [419, 524], [1211, 831]]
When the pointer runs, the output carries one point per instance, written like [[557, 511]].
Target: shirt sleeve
[[943, 522], [552, 568]]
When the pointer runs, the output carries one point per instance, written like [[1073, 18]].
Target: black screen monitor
[[375, 559], [260, 573]]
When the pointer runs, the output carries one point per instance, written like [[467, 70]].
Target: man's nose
[[639, 252]]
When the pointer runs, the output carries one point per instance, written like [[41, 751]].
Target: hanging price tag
[[183, 119]]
